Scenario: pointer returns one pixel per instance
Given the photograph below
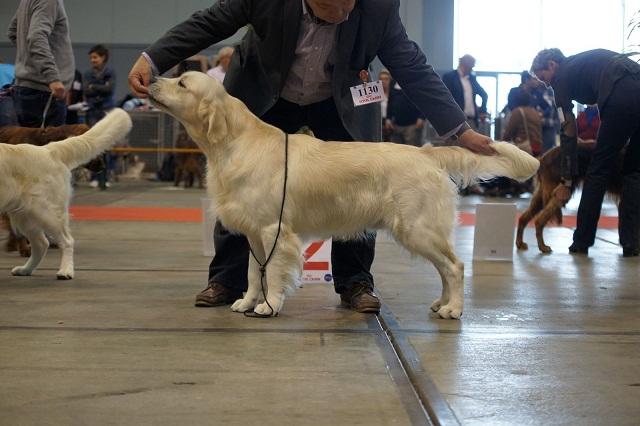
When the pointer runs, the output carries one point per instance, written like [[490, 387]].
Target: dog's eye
[[181, 84]]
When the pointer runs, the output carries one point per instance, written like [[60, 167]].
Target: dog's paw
[[435, 306], [242, 305], [545, 249], [522, 245], [64, 275], [450, 312], [264, 309], [20, 271]]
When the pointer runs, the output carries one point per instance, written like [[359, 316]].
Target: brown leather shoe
[[216, 295], [361, 298]]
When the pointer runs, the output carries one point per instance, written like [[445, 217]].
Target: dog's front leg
[[254, 289], [283, 269]]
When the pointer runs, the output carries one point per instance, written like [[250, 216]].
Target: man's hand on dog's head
[[139, 78], [476, 142]]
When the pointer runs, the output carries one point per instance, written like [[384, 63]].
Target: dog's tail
[[78, 150], [467, 167]]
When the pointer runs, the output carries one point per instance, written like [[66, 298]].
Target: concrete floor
[[547, 339]]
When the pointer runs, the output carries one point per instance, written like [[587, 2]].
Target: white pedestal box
[[494, 232]]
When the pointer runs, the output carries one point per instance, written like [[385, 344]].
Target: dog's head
[[198, 101]]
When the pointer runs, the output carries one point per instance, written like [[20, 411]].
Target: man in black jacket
[[295, 67], [404, 120], [464, 87], [611, 80]]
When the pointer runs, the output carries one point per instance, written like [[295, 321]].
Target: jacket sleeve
[[408, 65], [41, 25], [12, 31], [478, 90], [200, 31]]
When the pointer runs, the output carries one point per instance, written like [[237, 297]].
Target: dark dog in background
[[544, 206], [189, 166], [14, 135]]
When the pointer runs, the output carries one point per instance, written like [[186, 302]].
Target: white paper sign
[[367, 94], [494, 232], [317, 263]]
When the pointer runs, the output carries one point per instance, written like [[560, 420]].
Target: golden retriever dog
[[14, 135], [544, 207], [334, 189], [36, 187]]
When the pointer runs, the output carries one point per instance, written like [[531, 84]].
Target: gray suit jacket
[[260, 65]]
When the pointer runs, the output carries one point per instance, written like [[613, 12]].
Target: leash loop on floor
[[263, 266]]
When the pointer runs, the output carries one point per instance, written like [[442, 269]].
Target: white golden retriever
[[35, 187], [334, 189]]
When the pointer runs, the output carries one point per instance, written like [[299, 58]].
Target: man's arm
[[12, 32], [569, 147], [200, 31], [406, 62], [41, 25], [482, 93]]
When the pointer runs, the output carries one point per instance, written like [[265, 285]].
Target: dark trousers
[[351, 260], [30, 105], [620, 122]]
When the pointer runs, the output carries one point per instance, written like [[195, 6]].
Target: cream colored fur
[[335, 189], [35, 187]]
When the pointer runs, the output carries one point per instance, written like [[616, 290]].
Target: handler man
[[295, 67], [611, 80]]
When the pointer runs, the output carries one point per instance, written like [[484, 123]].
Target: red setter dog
[[544, 206]]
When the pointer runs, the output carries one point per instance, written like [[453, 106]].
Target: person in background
[[524, 127], [302, 80], [44, 62], [404, 120], [612, 81], [99, 87], [221, 63], [588, 123], [464, 87], [7, 73], [385, 77]]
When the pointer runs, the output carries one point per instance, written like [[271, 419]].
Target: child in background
[[99, 88], [99, 85]]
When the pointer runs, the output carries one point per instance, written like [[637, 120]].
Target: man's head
[[466, 64], [223, 58], [332, 11], [98, 56], [546, 63]]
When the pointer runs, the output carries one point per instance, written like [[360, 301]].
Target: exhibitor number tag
[[367, 93]]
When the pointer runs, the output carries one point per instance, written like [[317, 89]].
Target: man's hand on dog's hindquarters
[[477, 142]]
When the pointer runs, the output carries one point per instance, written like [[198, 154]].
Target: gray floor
[[547, 339]]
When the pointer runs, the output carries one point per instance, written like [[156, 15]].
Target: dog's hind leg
[[436, 248], [39, 243], [283, 270], [534, 207], [254, 290], [62, 235]]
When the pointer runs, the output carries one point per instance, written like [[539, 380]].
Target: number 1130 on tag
[[372, 92]]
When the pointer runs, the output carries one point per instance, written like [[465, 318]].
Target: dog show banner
[[317, 263]]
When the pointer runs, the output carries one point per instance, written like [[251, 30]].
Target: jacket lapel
[[292, 15], [347, 33]]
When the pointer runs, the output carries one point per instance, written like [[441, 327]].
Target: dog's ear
[[213, 115]]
